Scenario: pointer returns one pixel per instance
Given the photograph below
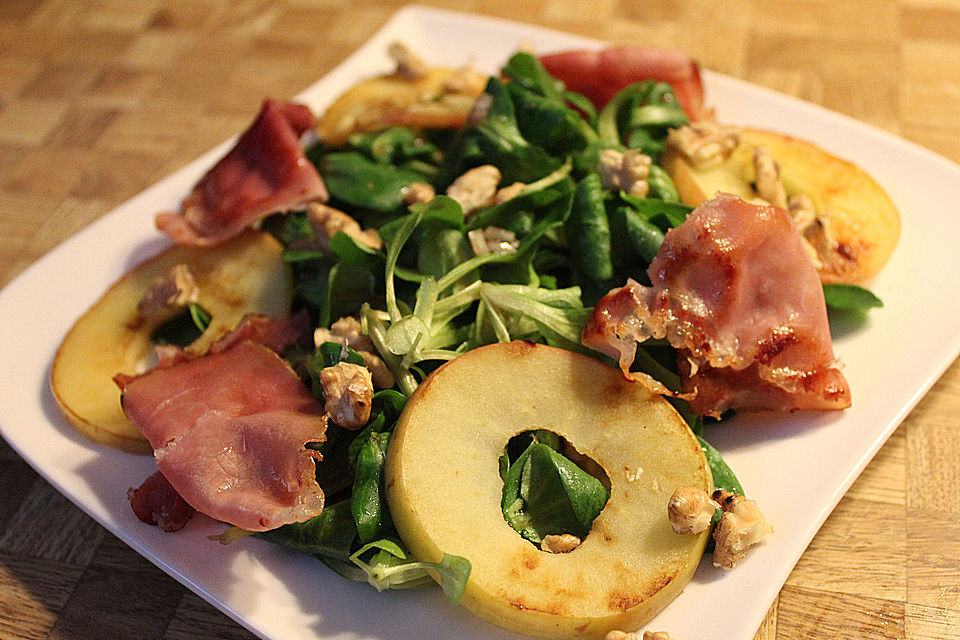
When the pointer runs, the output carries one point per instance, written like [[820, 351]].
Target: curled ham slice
[[265, 172], [599, 75], [228, 431], [734, 292]]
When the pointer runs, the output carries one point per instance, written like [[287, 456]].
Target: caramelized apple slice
[[863, 222], [444, 489], [245, 274], [439, 99]]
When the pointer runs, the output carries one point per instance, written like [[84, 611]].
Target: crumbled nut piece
[[625, 171], [347, 394], [475, 188], [467, 81], [656, 635], [379, 371], [769, 185], [690, 510], [704, 143], [409, 65], [327, 221], [493, 240], [802, 210], [563, 543], [815, 231], [508, 193], [418, 193], [177, 288], [741, 526], [347, 330], [620, 635]]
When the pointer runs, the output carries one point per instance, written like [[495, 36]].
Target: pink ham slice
[[734, 291], [600, 74], [228, 431], [264, 173]]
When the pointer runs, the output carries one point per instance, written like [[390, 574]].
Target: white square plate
[[891, 361]]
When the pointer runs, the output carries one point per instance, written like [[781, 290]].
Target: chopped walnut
[[467, 81], [379, 371], [475, 188], [690, 510], [327, 221], [418, 193], [647, 635], [347, 394], [176, 288], [493, 240], [508, 193], [409, 65], [815, 231], [769, 185], [704, 143], [625, 171], [347, 330], [742, 525], [563, 543]]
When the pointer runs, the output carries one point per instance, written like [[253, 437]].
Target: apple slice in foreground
[[444, 489], [864, 222], [243, 275]]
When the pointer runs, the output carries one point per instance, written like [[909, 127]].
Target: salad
[[429, 278]]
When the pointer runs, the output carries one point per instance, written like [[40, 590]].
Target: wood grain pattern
[[101, 98]]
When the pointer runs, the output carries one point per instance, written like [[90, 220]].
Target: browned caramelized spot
[[619, 601], [520, 347], [779, 339]]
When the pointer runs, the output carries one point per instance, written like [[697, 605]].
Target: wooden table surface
[[101, 98]]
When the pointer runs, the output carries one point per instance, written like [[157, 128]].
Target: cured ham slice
[[264, 173], [228, 431], [734, 292], [599, 75]]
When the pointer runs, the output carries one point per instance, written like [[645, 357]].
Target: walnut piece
[[624, 171], [647, 635], [742, 525], [327, 221], [493, 240], [704, 143], [409, 64], [418, 193], [769, 185], [348, 330], [475, 188], [690, 510], [347, 394], [467, 81], [176, 288], [379, 371], [563, 543]]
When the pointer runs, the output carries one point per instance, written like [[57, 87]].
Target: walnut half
[[742, 525], [690, 510]]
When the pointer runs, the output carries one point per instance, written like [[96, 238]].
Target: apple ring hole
[[550, 488]]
